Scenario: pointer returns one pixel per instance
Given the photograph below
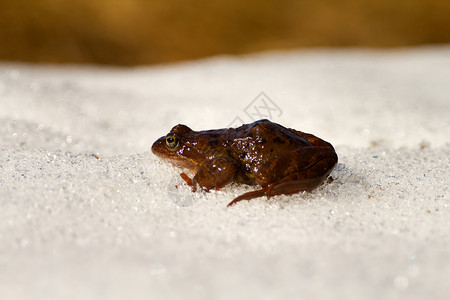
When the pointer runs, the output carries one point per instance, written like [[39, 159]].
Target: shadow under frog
[[280, 160]]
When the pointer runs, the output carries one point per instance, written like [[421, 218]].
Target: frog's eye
[[172, 142]]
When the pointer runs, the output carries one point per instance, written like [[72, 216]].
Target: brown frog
[[280, 160]]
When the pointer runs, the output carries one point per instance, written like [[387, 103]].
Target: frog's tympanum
[[280, 160]]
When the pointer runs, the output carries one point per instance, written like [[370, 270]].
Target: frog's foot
[[188, 181], [250, 195]]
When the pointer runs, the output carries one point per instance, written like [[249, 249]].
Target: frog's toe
[[248, 196], [189, 181]]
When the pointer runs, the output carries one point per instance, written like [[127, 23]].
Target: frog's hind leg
[[288, 185], [292, 184], [300, 176], [303, 179]]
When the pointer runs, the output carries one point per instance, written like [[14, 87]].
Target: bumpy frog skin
[[280, 160]]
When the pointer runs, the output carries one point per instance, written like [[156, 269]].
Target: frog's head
[[179, 147]]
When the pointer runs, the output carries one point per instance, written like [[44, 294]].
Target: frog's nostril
[[156, 147]]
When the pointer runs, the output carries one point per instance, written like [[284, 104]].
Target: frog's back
[[257, 144], [259, 132], [266, 134]]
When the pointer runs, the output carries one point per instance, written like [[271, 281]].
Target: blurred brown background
[[133, 32]]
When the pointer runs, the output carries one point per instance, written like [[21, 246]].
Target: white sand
[[76, 227]]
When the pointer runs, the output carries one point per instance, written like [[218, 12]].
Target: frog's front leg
[[299, 170], [214, 174]]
